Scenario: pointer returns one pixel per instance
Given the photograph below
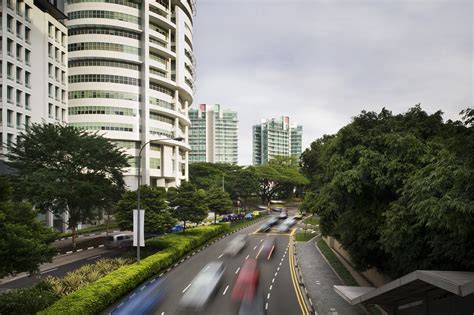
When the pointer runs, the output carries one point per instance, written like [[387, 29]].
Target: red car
[[246, 284]]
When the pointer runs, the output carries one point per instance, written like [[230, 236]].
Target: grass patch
[[336, 264], [304, 237], [90, 229], [313, 220]]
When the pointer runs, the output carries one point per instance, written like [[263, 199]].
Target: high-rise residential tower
[[34, 71], [276, 137], [213, 135], [131, 76]]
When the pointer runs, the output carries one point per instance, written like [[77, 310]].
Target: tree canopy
[[188, 203], [63, 169], [24, 242], [218, 201], [158, 218], [396, 190]]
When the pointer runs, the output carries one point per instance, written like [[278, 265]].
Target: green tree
[[66, 170], [246, 184], [189, 204], [277, 177], [394, 190], [24, 242], [218, 201], [158, 218]]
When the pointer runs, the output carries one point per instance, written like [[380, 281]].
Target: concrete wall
[[373, 276]]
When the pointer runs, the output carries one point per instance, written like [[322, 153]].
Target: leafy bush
[[93, 298], [26, 301]]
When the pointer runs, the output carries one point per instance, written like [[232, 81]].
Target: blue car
[[177, 228], [249, 216]]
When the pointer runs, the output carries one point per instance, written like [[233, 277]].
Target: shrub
[[26, 301], [95, 297]]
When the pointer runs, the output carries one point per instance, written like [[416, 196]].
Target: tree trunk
[[215, 217], [184, 225], [107, 221], [73, 229]]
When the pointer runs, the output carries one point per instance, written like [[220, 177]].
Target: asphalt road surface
[[277, 285], [60, 266]]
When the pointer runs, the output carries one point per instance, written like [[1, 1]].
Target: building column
[[176, 166], [49, 219]]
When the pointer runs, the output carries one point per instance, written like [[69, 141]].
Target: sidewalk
[[319, 279]]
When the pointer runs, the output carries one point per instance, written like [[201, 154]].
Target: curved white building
[[131, 76]]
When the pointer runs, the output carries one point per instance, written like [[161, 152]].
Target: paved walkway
[[319, 279]]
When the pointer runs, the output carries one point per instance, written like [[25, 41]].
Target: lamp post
[[139, 184]]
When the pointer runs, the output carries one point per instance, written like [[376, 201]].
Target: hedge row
[[95, 297]]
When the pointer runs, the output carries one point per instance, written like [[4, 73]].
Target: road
[[277, 284], [59, 267]]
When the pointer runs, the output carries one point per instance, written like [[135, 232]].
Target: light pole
[[139, 184]]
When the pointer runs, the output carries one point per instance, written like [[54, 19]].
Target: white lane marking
[[207, 267], [49, 270], [271, 287], [278, 269], [93, 257], [220, 256], [153, 280], [273, 280], [247, 257], [255, 247], [268, 296], [266, 306], [142, 288], [102, 245], [276, 273], [120, 305], [186, 288], [261, 240], [162, 313], [237, 271], [280, 263], [225, 290]]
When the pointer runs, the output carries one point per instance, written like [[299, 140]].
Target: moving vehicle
[[236, 245], [177, 228], [264, 227], [256, 213], [268, 247], [283, 215], [277, 209], [268, 224], [272, 221], [298, 216], [203, 287], [119, 241], [245, 287], [254, 307], [249, 216], [286, 225]]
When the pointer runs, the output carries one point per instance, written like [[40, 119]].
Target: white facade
[[131, 76], [34, 67]]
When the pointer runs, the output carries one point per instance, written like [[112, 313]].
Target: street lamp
[[139, 184]]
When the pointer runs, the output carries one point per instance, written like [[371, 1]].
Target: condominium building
[[276, 137], [131, 77], [33, 61], [213, 135]]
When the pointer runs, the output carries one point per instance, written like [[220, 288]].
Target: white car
[[286, 225], [236, 245], [203, 286]]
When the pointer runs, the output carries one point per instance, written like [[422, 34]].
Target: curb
[[178, 262], [84, 235], [78, 250]]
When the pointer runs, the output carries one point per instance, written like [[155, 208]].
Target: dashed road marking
[[271, 287], [237, 271], [266, 306], [268, 296], [207, 267], [276, 273], [225, 290], [255, 247], [142, 288], [247, 257], [186, 288], [273, 280], [278, 269], [93, 257], [220, 256]]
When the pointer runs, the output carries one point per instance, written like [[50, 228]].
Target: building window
[[104, 46], [91, 14], [103, 78], [155, 163]]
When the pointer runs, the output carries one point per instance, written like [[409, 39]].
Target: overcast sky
[[322, 61]]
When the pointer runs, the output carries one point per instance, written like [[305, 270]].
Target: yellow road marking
[[294, 279]]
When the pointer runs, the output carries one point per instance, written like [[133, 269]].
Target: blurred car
[[225, 218], [286, 225], [119, 241], [268, 247], [278, 209], [147, 301], [249, 216], [254, 307], [203, 287], [264, 227], [177, 228], [236, 245], [272, 221], [245, 287], [298, 216], [256, 213], [283, 215]]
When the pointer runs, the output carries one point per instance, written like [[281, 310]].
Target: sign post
[[138, 230]]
